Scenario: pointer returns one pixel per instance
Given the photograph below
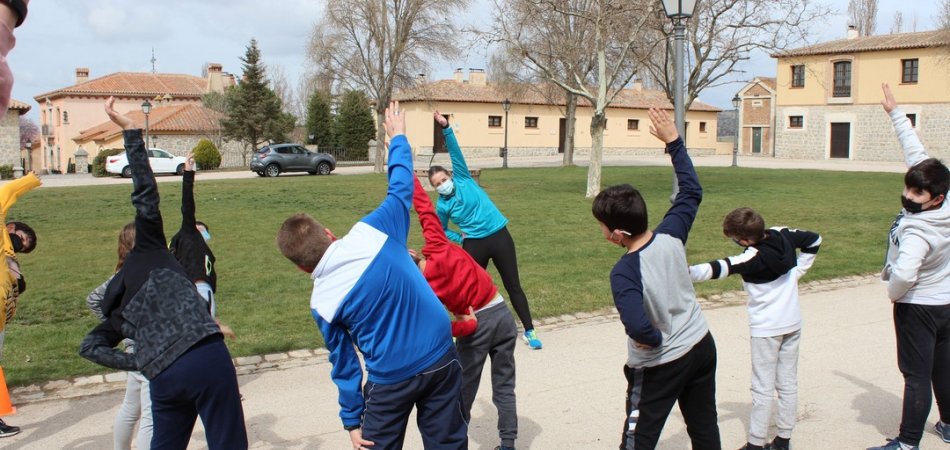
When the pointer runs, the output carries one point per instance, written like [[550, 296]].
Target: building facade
[[828, 101], [536, 125], [66, 113], [757, 116], [10, 134]]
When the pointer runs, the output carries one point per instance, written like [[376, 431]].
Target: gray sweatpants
[[495, 337], [774, 369]]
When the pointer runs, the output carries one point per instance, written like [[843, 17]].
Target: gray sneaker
[[892, 444], [943, 430]]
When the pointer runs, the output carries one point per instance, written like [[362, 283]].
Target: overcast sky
[[118, 35]]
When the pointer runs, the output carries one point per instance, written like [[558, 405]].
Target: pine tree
[[254, 113], [320, 119], [354, 125]]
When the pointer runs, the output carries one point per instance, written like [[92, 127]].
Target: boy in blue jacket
[[368, 295]]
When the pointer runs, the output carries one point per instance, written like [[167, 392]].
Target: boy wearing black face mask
[[19, 238], [917, 271]]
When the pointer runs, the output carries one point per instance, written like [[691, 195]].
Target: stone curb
[[249, 365]]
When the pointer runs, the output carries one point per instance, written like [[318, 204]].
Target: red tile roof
[[453, 91], [175, 119], [136, 84], [23, 108], [923, 39]]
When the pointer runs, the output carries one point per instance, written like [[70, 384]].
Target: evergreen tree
[[354, 125], [254, 113], [320, 119]]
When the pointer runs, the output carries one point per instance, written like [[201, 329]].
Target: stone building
[[10, 134], [828, 96], [65, 113], [536, 124], [757, 116]]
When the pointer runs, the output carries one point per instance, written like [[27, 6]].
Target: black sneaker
[[749, 446], [780, 443], [7, 430]]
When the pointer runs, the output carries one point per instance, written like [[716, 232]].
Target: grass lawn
[[564, 260]]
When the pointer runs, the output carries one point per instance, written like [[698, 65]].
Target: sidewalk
[[571, 393], [759, 162]]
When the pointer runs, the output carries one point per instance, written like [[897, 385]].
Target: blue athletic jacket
[[469, 206], [369, 296]]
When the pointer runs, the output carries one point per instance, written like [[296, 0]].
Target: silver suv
[[272, 160]]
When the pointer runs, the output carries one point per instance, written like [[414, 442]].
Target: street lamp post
[[506, 105], [146, 108], [679, 11], [735, 145]]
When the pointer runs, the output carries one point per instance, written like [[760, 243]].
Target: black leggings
[[500, 248], [923, 356]]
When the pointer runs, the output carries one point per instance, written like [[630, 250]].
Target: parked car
[[272, 160], [160, 160]]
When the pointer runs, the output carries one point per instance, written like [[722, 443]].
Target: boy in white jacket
[[917, 272]]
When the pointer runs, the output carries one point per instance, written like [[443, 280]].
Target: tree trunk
[[597, 125], [380, 142], [570, 120]]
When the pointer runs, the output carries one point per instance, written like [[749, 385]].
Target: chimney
[[459, 77], [215, 80], [852, 32], [477, 77], [82, 75]]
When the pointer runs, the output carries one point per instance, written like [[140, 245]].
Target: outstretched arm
[[149, 231], [459, 166], [188, 194], [392, 216], [431, 225], [12, 190], [99, 347], [679, 219], [914, 151]]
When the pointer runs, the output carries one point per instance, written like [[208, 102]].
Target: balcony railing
[[842, 91], [45, 130]]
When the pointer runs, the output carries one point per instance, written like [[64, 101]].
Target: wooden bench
[[423, 174]]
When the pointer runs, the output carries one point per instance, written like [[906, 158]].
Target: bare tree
[[723, 34], [863, 15], [898, 25], [943, 19], [28, 132], [379, 45], [611, 32], [280, 84]]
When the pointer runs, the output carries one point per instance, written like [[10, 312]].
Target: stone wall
[[424, 153], [872, 135], [10, 139], [181, 145]]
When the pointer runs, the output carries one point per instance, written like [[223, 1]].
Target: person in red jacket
[[483, 325]]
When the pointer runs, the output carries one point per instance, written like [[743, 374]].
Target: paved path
[[571, 393], [541, 161]]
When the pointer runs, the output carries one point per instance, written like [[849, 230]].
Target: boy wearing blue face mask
[[917, 272], [190, 244], [770, 268]]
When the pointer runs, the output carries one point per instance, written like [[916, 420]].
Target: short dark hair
[[303, 240], [28, 230], [744, 223], [928, 175], [621, 207], [436, 169]]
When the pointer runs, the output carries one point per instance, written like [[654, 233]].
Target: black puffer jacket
[[188, 246]]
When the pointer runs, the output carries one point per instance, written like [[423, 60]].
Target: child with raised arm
[[179, 347], [368, 296], [190, 243], [483, 324], [484, 229], [770, 268], [671, 353], [917, 272]]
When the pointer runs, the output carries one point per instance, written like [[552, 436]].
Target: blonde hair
[[126, 243], [303, 240]]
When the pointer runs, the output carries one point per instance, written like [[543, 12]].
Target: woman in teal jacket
[[484, 230]]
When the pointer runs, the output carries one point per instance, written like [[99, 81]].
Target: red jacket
[[456, 278]]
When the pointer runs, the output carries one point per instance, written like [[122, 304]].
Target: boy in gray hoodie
[[917, 272]]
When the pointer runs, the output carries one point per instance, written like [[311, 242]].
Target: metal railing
[[347, 157], [842, 91]]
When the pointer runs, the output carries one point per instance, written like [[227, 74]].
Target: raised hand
[[395, 121], [443, 122], [663, 127], [190, 162], [889, 103], [122, 121]]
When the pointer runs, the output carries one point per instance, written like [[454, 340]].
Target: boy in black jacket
[[190, 244], [180, 348]]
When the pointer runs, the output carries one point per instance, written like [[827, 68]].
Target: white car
[[160, 160]]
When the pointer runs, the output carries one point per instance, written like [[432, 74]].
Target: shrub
[[6, 172], [99, 162], [207, 156]]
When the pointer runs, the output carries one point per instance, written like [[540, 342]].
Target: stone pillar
[[82, 161], [17, 171], [371, 150]]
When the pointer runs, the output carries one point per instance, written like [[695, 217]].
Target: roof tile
[[137, 84], [173, 119], [923, 39]]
